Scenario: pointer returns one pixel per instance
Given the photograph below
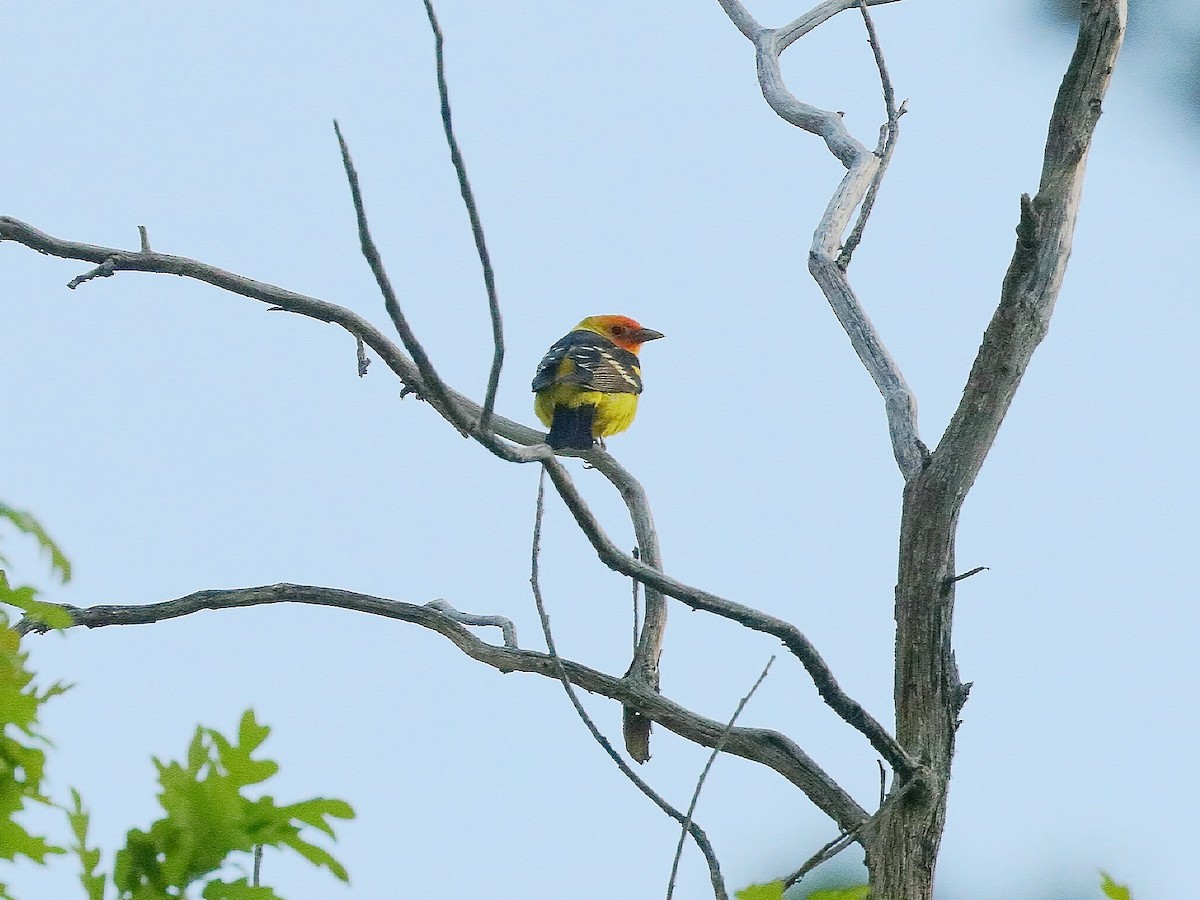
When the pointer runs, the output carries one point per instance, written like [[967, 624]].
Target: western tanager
[[587, 384]]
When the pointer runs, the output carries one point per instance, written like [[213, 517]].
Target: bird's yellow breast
[[614, 412]]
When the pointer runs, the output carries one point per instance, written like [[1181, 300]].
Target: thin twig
[[882, 782], [862, 166], [433, 383], [464, 185], [361, 355], [258, 855], [144, 238], [818, 15], [889, 134], [697, 833], [849, 835], [851, 711], [704, 774], [105, 270], [968, 574], [829, 851], [508, 630], [440, 395], [111, 260], [637, 585], [889, 95]]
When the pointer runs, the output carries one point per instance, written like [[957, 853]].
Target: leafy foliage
[[237, 890], [22, 760], [25, 597], [1112, 890], [27, 524], [208, 818], [772, 891], [89, 857], [775, 891], [858, 892], [22, 757]]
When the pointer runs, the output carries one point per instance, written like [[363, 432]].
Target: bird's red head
[[621, 330]]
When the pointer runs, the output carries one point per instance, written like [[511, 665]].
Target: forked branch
[[689, 826], [533, 442], [796, 642], [1044, 233], [468, 196], [760, 745], [516, 443], [827, 262]]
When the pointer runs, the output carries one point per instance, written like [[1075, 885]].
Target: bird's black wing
[[591, 361]]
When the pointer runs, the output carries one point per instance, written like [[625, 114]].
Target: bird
[[587, 385]]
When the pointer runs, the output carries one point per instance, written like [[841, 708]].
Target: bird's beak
[[646, 334]]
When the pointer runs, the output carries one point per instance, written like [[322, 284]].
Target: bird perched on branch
[[587, 384]]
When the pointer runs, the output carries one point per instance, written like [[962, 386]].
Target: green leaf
[[236, 759], [251, 734], [318, 856], [1112, 890], [313, 812], [89, 857], [208, 817], [51, 615], [21, 762], [858, 892], [26, 523], [772, 891], [20, 597], [237, 890], [16, 841], [25, 599]]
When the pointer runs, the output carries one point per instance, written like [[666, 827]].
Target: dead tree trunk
[[902, 840]]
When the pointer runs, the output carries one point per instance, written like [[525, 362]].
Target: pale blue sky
[[173, 438]]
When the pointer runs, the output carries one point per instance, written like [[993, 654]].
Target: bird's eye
[[618, 329]]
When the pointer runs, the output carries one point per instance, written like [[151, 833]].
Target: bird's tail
[[572, 428]]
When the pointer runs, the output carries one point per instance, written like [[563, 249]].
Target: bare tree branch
[[113, 260], [823, 262], [360, 354], [799, 645], [429, 376], [1044, 233], [759, 745], [826, 853], [468, 195], [644, 666], [508, 630], [689, 827], [467, 418], [637, 604], [648, 651], [902, 839], [740, 16], [467, 411], [889, 133], [687, 822], [817, 16]]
